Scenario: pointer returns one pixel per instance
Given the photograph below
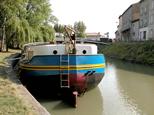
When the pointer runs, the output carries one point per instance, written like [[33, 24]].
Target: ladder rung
[[64, 67], [64, 73], [64, 60], [64, 64], [65, 86], [65, 80]]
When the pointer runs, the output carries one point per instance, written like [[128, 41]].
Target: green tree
[[48, 33], [27, 20], [39, 12], [9, 8], [61, 28], [80, 29], [76, 27], [18, 30], [56, 27]]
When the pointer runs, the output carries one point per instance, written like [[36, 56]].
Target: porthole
[[55, 52], [84, 51]]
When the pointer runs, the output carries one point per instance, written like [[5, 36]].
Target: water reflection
[[132, 67], [130, 89]]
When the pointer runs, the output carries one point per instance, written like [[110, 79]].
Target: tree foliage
[[80, 29], [56, 27], [48, 33], [27, 20], [59, 29]]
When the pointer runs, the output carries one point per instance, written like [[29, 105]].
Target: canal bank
[[137, 52], [23, 92]]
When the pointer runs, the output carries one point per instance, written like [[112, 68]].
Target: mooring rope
[[9, 60], [7, 72]]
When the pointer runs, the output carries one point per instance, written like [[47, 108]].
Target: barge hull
[[78, 82]]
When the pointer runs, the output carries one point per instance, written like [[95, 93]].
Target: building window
[[141, 23], [141, 11], [145, 10], [151, 34], [151, 19], [152, 5], [133, 28], [145, 22], [133, 35], [144, 34], [140, 35]]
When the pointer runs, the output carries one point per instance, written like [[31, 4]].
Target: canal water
[[126, 89]]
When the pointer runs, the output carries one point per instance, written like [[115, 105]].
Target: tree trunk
[[7, 46], [12, 37], [12, 45], [18, 46], [3, 34]]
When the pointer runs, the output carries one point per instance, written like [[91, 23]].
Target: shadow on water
[[138, 68], [43, 94], [49, 102], [91, 103]]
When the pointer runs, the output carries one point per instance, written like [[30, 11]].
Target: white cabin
[[34, 49]]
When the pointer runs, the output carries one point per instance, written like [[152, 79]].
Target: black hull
[[52, 83]]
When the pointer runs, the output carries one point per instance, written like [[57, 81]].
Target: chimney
[[98, 33]]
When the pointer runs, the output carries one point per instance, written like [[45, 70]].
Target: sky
[[98, 15]]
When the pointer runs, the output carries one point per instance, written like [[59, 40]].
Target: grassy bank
[[138, 52], [10, 102]]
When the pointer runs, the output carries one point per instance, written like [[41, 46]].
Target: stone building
[[151, 20], [144, 20], [94, 36], [118, 32], [130, 23]]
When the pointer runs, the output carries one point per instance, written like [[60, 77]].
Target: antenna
[[107, 34]]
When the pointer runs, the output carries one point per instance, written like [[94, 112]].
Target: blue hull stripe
[[50, 65]]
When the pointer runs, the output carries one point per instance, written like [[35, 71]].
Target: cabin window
[[30, 55], [55, 52], [84, 51]]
